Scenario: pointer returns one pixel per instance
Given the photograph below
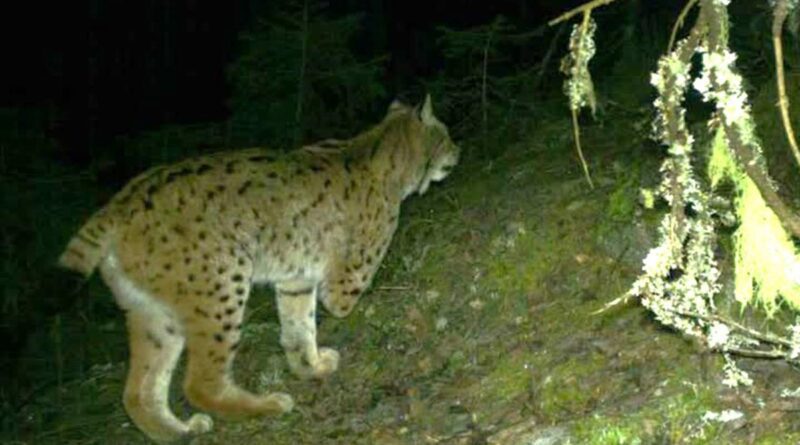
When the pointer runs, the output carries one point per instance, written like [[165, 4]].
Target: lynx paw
[[328, 363], [279, 402], [200, 424]]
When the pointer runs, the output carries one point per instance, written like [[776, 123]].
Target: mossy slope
[[479, 329]]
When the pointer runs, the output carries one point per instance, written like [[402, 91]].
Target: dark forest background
[[102, 69], [93, 92]]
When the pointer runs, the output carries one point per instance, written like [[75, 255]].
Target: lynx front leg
[[297, 303], [213, 334]]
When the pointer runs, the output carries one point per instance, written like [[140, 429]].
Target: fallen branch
[[784, 346], [760, 336], [394, 288]]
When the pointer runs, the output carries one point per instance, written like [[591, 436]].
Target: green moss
[[568, 387], [672, 419], [778, 438], [622, 201], [510, 378]]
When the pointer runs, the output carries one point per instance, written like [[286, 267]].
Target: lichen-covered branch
[[680, 275], [725, 89]]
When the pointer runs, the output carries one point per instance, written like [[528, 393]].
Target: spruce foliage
[[297, 78]]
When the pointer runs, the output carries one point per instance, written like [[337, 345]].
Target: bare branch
[[679, 23], [585, 8], [780, 12]]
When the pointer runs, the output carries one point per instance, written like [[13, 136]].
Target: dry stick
[[394, 288], [575, 128], [781, 10], [755, 353], [679, 23], [585, 8], [577, 134]]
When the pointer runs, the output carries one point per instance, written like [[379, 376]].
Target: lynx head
[[410, 147], [441, 154]]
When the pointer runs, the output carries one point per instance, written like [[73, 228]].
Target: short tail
[[90, 245]]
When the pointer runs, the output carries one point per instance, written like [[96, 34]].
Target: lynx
[[181, 245]]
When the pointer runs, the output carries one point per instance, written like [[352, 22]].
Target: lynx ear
[[426, 112]]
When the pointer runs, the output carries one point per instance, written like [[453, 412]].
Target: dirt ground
[[479, 329]]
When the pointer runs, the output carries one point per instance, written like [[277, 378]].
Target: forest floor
[[479, 329]]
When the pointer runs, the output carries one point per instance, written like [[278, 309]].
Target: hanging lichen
[[578, 86], [767, 263]]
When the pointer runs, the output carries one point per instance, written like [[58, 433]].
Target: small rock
[[575, 205], [458, 423]]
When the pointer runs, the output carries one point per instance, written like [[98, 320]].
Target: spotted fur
[[181, 245]]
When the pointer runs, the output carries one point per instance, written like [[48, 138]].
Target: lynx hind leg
[[213, 337], [155, 346], [297, 305]]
